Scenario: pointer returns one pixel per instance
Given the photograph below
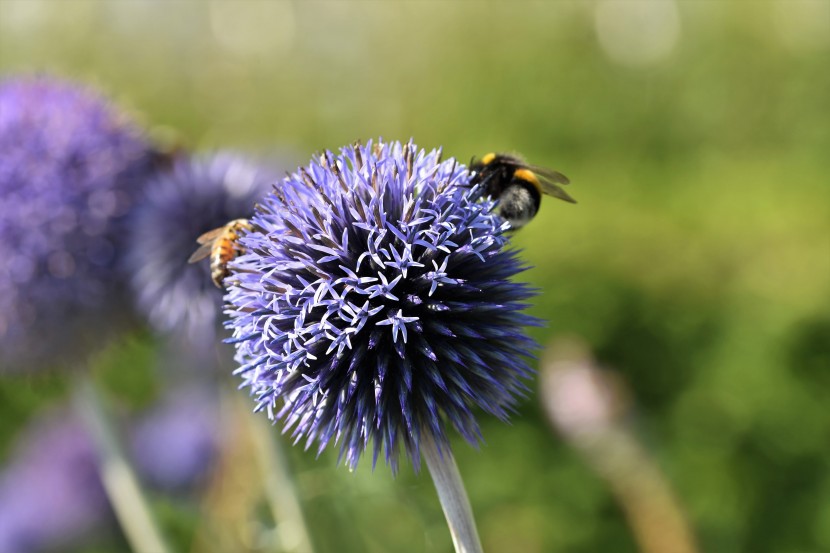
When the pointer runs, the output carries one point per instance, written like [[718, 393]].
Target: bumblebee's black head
[[495, 170], [507, 179]]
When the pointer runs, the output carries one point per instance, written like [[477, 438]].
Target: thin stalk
[[654, 514], [119, 481], [230, 502], [452, 495], [589, 407], [279, 487]]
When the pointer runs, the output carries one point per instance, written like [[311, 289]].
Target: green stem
[[452, 495], [118, 478], [279, 488]]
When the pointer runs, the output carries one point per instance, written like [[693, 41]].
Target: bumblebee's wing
[[555, 190], [550, 181], [549, 175], [551, 187]]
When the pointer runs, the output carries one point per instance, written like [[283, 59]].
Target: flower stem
[[279, 488], [589, 406], [120, 483], [452, 495], [654, 514]]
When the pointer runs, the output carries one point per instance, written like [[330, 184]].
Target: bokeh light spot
[[637, 33], [262, 28], [802, 25]]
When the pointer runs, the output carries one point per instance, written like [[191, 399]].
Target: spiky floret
[[71, 164], [375, 303], [197, 194]]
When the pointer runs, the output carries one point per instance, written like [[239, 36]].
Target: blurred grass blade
[[279, 486], [588, 405], [118, 478]]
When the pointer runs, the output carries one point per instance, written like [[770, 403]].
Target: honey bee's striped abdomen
[[223, 253]]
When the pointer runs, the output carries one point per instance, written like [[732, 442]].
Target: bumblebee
[[222, 245], [517, 185]]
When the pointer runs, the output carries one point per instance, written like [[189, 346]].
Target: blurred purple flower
[[375, 303], [198, 194], [70, 167], [50, 493], [175, 444]]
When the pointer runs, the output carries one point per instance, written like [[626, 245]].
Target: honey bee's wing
[[203, 251], [211, 235], [550, 181], [206, 240]]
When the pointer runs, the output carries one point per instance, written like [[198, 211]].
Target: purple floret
[[375, 303]]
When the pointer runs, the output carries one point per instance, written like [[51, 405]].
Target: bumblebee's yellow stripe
[[487, 159], [528, 176]]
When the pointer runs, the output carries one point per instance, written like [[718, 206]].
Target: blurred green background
[[697, 262]]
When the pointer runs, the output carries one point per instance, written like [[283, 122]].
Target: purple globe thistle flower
[[70, 165], [198, 194], [50, 493], [375, 303]]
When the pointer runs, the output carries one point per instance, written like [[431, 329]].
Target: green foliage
[[21, 397], [126, 370]]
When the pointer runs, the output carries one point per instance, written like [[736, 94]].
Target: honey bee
[[222, 245], [517, 185]]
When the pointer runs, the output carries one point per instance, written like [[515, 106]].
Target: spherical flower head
[[196, 195], [375, 303], [70, 166]]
